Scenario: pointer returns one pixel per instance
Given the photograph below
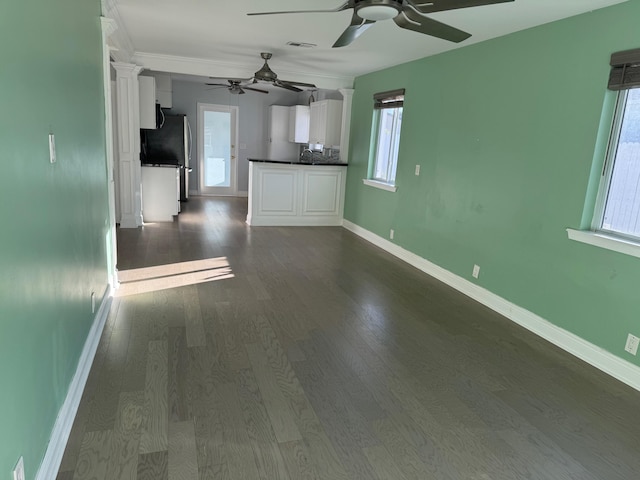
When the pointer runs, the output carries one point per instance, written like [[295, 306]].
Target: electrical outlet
[[632, 344], [391, 234], [476, 271], [18, 471], [93, 302], [417, 170]]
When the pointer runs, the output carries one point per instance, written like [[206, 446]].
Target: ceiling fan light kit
[[378, 10], [406, 14]]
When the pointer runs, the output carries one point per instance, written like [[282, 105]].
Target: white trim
[[603, 360], [381, 185], [603, 240], [345, 132], [62, 428]]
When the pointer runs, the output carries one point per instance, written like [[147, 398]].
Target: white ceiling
[[217, 38]]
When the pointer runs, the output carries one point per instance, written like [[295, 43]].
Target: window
[[385, 137], [618, 209]]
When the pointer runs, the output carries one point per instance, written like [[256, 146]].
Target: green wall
[[54, 217], [505, 132]]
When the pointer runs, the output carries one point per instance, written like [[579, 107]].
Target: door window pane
[[217, 149]]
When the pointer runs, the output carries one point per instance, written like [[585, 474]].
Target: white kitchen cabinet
[[164, 94], [295, 194], [299, 124], [147, 96], [160, 193], [325, 122], [279, 146]]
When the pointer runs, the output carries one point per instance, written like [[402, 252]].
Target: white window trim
[[606, 241], [381, 185]]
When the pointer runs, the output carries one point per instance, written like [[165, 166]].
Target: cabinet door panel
[[278, 191], [322, 193]]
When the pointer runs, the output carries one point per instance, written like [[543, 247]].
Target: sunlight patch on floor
[[163, 277]]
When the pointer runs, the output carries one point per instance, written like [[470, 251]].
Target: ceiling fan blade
[[255, 89], [281, 84], [424, 6], [217, 84], [301, 84], [354, 30], [412, 20], [344, 6]]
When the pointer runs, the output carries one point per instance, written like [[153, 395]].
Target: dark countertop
[[162, 165], [297, 161]]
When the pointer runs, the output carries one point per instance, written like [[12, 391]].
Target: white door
[[217, 149]]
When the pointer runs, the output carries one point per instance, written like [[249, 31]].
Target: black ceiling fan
[[407, 14], [236, 87], [265, 74]]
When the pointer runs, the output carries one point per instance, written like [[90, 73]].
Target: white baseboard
[[603, 360], [62, 428]]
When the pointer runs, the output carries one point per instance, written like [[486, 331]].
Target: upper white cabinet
[[147, 95], [325, 122], [299, 124]]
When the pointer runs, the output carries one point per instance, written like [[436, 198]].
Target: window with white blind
[[385, 136], [618, 205]]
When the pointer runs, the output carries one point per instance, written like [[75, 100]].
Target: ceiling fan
[[265, 74], [407, 14], [236, 87]]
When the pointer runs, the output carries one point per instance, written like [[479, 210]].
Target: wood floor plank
[[383, 463], [94, 460], [298, 462], [193, 317], [126, 436], [156, 415], [409, 462], [236, 448], [104, 402], [282, 419], [183, 462], [153, 466], [178, 376]]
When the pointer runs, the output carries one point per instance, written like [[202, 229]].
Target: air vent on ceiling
[[302, 44]]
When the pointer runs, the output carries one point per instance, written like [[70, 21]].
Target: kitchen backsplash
[[324, 155]]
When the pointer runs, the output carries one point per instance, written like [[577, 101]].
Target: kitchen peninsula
[[296, 192]]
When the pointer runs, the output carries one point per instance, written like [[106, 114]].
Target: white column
[[347, 101], [108, 27], [128, 155]]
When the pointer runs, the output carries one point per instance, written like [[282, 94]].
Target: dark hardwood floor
[[307, 353]]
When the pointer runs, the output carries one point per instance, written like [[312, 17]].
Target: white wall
[[252, 120]]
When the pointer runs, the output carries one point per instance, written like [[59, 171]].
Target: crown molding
[[212, 68], [118, 40]]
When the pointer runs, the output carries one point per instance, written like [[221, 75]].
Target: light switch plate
[[52, 148], [417, 170]]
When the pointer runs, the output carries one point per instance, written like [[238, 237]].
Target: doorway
[[217, 149]]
